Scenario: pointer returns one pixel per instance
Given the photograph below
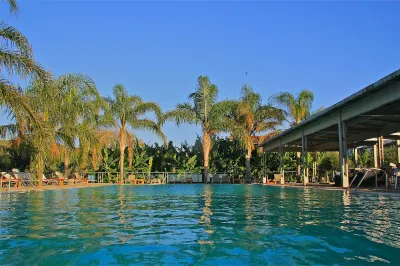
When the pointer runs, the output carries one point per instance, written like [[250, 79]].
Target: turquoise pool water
[[199, 224]]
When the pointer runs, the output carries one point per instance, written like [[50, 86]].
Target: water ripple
[[198, 224]]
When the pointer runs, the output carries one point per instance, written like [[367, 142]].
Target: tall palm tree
[[249, 119], [129, 111], [69, 108], [16, 57], [297, 108], [203, 110], [80, 106]]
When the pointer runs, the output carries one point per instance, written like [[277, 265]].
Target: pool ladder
[[365, 174]]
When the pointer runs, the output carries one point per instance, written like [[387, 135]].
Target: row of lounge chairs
[[17, 179], [132, 179], [198, 178]]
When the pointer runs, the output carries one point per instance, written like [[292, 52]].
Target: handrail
[[354, 178], [376, 177], [365, 174], [362, 179]]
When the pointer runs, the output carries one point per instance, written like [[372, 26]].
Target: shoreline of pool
[[51, 187], [331, 187], [4, 190]]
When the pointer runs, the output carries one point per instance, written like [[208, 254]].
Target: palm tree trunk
[[122, 143], [130, 151], [248, 166], [39, 165], [94, 159], [66, 163], [206, 153]]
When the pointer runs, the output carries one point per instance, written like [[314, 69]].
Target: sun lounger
[[79, 179], [49, 181], [8, 180], [26, 179], [131, 179], [277, 178], [138, 181], [237, 180], [61, 179]]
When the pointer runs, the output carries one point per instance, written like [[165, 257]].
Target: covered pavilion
[[368, 116]]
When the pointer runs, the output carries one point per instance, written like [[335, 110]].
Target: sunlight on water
[[198, 224]]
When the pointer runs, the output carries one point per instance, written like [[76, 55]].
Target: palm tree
[[297, 108], [129, 111], [81, 106], [249, 119], [16, 57], [205, 111], [69, 109]]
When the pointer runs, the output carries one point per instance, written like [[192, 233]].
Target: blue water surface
[[199, 224]]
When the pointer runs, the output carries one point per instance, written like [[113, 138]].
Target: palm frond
[[13, 38], [145, 107], [305, 100], [13, 5], [298, 108], [150, 125], [13, 99], [17, 62], [184, 113], [8, 131]]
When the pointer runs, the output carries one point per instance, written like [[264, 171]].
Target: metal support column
[[381, 152], [356, 157], [344, 167], [375, 149], [304, 159], [281, 165], [264, 169], [398, 150]]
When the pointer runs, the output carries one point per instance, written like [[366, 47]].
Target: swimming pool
[[198, 224]]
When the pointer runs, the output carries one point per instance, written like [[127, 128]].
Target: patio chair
[[79, 179], [61, 178], [155, 179], [131, 179], [49, 181], [139, 181], [277, 178], [236, 179], [8, 180], [26, 179]]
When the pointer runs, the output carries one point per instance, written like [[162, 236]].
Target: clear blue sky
[[158, 49]]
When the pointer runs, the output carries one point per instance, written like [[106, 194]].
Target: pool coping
[[294, 185]]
